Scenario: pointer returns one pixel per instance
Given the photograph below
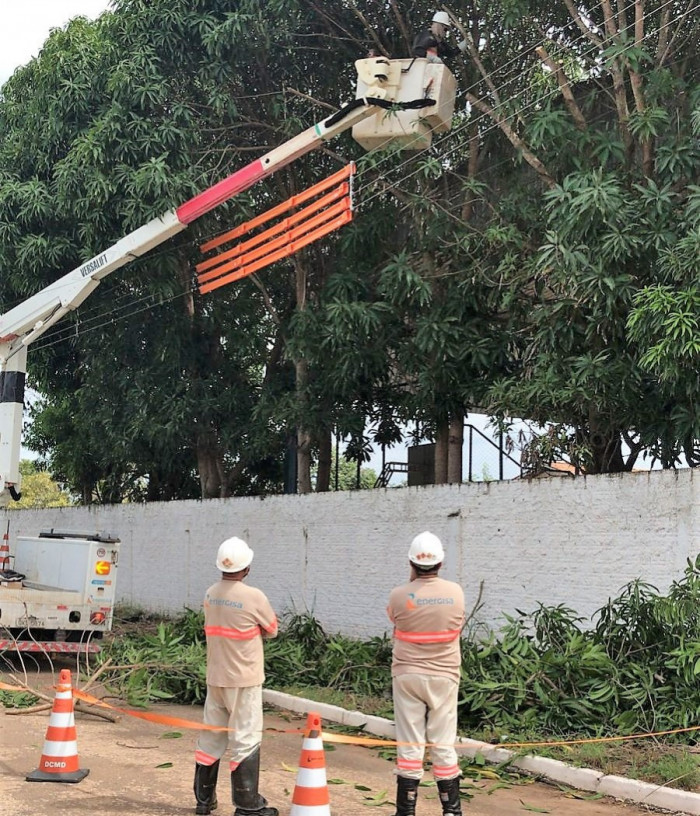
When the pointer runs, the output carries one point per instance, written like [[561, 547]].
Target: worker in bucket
[[432, 43], [428, 616], [237, 618]]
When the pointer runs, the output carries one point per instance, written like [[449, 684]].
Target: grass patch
[[376, 706]]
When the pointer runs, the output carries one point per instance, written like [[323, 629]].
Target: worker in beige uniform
[[236, 619], [428, 616]]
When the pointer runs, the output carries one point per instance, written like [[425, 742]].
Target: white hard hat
[[426, 550], [234, 555], [442, 17]]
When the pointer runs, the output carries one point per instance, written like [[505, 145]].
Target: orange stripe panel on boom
[[328, 213]]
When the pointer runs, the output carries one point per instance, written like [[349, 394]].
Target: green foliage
[[21, 699], [303, 654], [635, 670], [168, 663], [679, 771], [540, 260], [39, 489], [347, 475]]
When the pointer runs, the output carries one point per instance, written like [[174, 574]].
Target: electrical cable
[[581, 38]]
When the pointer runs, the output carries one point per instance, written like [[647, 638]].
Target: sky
[[25, 25]]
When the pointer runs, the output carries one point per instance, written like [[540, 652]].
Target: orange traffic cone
[[59, 760], [310, 797], [5, 550]]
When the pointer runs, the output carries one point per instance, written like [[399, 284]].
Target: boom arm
[[25, 323], [381, 82]]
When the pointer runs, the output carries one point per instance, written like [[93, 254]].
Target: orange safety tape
[[149, 716], [328, 736], [294, 201]]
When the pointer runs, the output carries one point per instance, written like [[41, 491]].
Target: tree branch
[[585, 30], [610, 26], [311, 99], [476, 59], [402, 25], [514, 139], [663, 36], [564, 86], [268, 301]]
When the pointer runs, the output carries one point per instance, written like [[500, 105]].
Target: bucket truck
[[399, 101]]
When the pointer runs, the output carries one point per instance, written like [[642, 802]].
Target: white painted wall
[[555, 541]]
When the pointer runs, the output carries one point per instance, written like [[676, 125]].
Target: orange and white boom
[[380, 82]]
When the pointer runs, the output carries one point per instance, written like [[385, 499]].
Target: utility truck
[[68, 579], [59, 594]]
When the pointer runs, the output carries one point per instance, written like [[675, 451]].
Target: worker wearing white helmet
[[428, 616], [432, 44], [236, 619]]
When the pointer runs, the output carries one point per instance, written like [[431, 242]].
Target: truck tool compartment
[[64, 601]]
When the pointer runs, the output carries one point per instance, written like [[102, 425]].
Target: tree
[[39, 490], [533, 261], [602, 118], [128, 134]]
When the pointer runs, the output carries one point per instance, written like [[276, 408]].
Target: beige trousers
[[425, 711], [239, 710]]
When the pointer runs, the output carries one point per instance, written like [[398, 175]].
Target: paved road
[[135, 768]]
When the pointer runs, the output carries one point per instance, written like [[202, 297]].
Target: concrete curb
[[586, 779]]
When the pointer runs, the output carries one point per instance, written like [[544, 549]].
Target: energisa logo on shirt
[[224, 602], [414, 603]]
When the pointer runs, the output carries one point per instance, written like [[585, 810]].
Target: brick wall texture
[[337, 555]]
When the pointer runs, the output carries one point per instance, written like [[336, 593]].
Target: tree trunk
[[210, 466], [301, 369], [606, 446], [454, 449], [442, 436], [323, 477], [303, 461]]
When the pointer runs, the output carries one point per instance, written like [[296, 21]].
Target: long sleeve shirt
[[236, 618], [428, 615]]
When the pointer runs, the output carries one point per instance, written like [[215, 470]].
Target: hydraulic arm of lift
[[22, 325]]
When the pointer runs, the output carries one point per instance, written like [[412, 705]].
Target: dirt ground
[[137, 767]]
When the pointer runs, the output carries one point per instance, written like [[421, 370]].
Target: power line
[[581, 38]]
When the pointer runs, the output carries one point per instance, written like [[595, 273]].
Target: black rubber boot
[[244, 789], [406, 796], [205, 777], [449, 796]]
